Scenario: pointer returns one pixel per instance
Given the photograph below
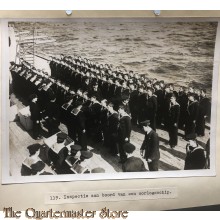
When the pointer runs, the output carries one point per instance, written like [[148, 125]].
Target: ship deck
[[171, 159]]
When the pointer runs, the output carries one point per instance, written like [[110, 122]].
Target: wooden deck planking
[[171, 159], [98, 161]]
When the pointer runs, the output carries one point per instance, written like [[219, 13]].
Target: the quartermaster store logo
[[32, 213]]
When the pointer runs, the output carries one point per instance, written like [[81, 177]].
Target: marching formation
[[103, 103]]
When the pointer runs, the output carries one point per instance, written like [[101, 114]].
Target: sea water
[[177, 52]]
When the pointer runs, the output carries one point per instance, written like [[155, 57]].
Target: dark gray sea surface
[[176, 52]]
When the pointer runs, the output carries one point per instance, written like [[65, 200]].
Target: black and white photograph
[[109, 99]]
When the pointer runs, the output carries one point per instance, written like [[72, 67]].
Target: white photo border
[[7, 179]]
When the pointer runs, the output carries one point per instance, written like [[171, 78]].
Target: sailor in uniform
[[174, 113], [142, 100], [204, 112], [151, 109], [113, 122], [112, 88], [95, 113], [96, 92], [83, 166], [58, 152], [105, 88], [34, 151], [166, 105], [133, 104], [53, 115], [80, 124], [159, 93], [183, 102], [68, 114], [53, 67], [192, 115], [104, 121], [132, 164], [39, 169], [125, 102], [73, 156], [150, 147], [35, 116], [86, 84], [124, 132], [195, 156]]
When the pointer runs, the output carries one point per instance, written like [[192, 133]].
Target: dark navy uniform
[[113, 122], [192, 115], [151, 147], [159, 94], [195, 158], [124, 131], [53, 113], [166, 106], [133, 164], [80, 127], [183, 102], [133, 105], [174, 113], [142, 101], [111, 92], [151, 111], [104, 124], [204, 111], [95, 112], [35, 117], [105, 90]]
